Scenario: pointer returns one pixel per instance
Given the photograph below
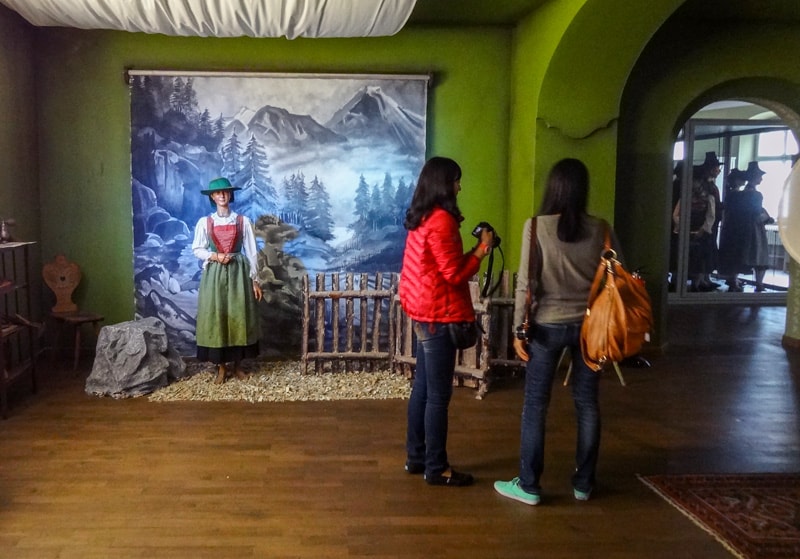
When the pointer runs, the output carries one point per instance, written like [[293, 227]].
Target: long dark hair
[[566, 194], [435, 187]]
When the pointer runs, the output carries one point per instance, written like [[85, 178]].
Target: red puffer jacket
[[434, 282]]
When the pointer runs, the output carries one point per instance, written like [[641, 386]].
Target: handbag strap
[[533, 269], [603, 267]]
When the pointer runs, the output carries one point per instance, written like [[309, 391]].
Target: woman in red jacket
[[434, 291]]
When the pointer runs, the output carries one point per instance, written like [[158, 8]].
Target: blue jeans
[[426, 438], [544, 350]]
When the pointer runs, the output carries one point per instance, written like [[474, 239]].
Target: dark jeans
[[544, 349], [426, 439]]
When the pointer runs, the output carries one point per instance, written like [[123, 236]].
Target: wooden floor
[[85, 477]]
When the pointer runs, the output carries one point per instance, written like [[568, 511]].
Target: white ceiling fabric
[[223, 18]]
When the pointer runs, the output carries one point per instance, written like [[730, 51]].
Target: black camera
[[484, 225]]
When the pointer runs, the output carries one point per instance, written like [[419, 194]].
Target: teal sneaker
[[512, 490], [581, 495]]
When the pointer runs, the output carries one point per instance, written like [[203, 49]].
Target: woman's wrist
[[484, 248]]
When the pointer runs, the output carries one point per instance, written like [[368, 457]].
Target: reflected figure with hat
[[710, 170], [734, 224], [702, 216], [227, 305], [755, 250]]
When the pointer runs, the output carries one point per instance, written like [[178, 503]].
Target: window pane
[[772, 144], [791, 144], [677, 151], [772, 184]]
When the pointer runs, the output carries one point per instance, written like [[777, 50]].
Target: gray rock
[[133, 358]]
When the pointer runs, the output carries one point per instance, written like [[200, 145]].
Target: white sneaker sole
[[522, 499]]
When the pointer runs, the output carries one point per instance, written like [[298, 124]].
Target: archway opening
[[731, 160]]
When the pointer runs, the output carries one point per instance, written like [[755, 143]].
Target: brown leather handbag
[[619, 315]]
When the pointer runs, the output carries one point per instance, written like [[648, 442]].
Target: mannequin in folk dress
[[227, 310]]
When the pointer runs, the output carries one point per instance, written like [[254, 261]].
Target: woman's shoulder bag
[[619, 316]]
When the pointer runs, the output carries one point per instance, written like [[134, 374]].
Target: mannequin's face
[[221, 197]]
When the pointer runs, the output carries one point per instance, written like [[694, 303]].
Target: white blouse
[[201, 242]]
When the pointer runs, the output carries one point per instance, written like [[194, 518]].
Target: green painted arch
[[581, 91], [565, 100], [585, 77], [618, 86], [648, 132], [779, 95], [655, 104], [760, 66]]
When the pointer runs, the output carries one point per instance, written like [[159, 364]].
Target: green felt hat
[[219, 184]]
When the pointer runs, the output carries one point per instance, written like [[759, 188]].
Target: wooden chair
[[62, 277]]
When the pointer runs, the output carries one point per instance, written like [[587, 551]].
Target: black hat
[[711, 160], [737, 174], [754, 171]]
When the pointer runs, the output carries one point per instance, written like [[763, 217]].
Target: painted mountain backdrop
[[326, 166]]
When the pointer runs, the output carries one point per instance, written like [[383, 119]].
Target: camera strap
[[488, 289]]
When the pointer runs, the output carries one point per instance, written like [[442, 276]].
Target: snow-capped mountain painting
[[327, 166]]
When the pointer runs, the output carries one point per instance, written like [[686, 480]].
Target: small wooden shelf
[[18, 337]]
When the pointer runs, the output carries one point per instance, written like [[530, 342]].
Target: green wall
[[84, 125], [17, 134], [19, 190], [603, 80], [572, 59], [535, 40]]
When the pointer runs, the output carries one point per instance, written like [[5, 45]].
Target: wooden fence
[[355, 322], [348, 327]]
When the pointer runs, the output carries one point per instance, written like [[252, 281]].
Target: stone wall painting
[[327, 165]]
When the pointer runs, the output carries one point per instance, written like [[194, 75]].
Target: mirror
[[729, 176]]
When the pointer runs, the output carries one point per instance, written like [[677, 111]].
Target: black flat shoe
[[415, 468], [450, 477]]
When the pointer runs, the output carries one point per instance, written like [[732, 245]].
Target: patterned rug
[[755, 516]]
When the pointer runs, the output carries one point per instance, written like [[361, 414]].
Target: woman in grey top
[[569, 244]]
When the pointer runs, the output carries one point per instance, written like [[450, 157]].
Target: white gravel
[[283, 381]]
